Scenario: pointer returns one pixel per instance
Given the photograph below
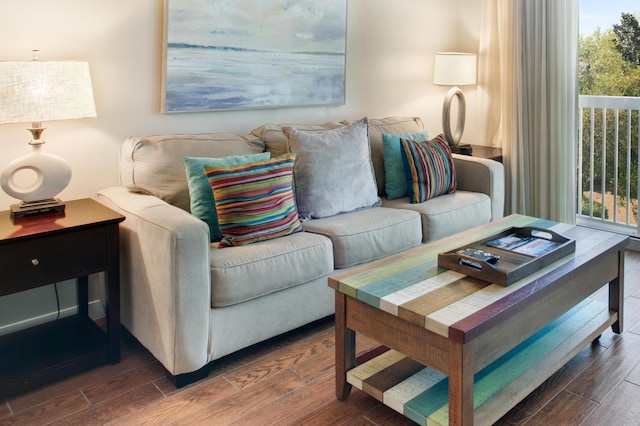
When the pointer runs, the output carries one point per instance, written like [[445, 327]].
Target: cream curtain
[[528, 94]]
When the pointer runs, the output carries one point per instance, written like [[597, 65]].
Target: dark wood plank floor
[[289, 380]]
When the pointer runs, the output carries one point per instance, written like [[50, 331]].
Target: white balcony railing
[[608, 163]]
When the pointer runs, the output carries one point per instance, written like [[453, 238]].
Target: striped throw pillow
[[202, 204], [428, 166], [255, 201]]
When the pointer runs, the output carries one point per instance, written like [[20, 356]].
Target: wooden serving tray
[[522, 251]]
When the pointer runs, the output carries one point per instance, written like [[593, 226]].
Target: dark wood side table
[[49, 248], [490, 152]]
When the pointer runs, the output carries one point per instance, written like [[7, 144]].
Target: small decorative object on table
[[508, 256]]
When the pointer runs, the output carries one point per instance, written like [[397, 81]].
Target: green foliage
[[602, 70], [600, 65], [597, 208], [609, 65], [628, 38]]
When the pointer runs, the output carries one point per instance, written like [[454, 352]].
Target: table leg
[[461, 384], [112, 280], [82, 290], [345, 348], [616, 295]]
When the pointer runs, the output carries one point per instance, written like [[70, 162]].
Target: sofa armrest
[[165, 278], [482, 175]]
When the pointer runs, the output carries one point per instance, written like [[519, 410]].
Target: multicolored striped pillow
[[202, 204], [395, 182], [428, 166], [255, 201]]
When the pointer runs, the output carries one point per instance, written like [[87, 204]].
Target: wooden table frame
[[476, 342]]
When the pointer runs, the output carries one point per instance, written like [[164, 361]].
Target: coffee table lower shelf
[[421, 393]]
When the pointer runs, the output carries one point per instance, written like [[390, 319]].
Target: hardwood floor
[[289, 380]]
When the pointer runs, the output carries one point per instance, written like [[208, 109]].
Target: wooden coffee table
[[462, 351]]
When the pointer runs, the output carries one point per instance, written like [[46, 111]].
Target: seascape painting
[[240, 54]]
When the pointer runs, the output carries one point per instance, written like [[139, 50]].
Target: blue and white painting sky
[[604, 14], [271, 25]]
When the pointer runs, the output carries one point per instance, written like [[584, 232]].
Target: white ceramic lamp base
[[52, 175]]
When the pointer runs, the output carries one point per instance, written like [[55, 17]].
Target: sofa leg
[[182, 380]]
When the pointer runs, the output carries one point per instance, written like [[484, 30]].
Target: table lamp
[[36, 91], [454, 69]]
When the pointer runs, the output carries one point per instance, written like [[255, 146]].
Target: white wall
[[390, 48]]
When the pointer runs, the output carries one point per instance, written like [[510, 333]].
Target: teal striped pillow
[[202, 204], [428, 166], [255, 201], [395, 182]]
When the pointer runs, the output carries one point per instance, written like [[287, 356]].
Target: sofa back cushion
[[155, 165], [276, 141]]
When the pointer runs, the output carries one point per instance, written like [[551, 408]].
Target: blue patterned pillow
[[255, 201], [395, 182], [429, 168], [203, 205]]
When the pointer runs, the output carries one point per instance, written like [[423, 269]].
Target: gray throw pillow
[[333, 172]]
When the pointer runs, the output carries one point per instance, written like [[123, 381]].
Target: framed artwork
[[241, 54]]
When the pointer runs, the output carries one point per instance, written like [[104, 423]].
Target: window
[[609, 87]]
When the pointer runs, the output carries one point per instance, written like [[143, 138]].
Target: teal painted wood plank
[[507, 368], [428, 403], [433, 403], [543, 223], [397, 396], [372, 293]]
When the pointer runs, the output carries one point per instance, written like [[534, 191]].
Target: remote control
[[485, 256]]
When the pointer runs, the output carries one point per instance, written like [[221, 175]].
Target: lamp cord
[[55, 286]]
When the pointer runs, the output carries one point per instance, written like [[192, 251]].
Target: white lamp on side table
[[37, 91], [454, 69]]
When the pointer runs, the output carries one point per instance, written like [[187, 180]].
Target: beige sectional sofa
[[189, 302]]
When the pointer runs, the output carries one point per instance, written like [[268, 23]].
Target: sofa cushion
[[154, 165], [395, 181], [390, 125], [246, 272], [447, 214], [365, 235], [276, 141], [202, 204], [333, 172], [428, 167], [255, 201]]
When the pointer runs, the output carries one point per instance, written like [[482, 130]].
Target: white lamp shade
[[454, 69], [38, 91]]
